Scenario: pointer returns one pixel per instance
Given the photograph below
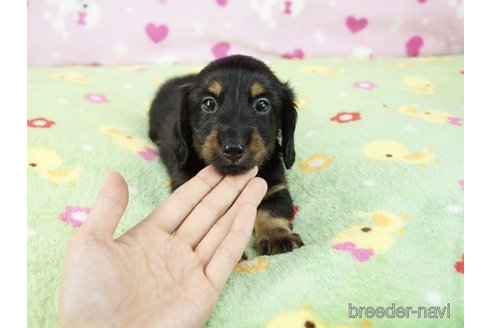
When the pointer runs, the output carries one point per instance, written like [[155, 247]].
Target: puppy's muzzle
[[233, 152]]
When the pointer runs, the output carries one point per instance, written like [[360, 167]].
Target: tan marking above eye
[[215, 88], [256, 89]]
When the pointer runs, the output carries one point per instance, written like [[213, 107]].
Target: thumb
[[109, 207]]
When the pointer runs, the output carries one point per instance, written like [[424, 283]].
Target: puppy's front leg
[[273, 229]]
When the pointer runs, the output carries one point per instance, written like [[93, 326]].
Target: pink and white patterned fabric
[[119, 32]]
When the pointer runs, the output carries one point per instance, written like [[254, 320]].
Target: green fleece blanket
[[378, 188]]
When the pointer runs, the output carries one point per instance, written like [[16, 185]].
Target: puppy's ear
[[288, 119], [183, 130]]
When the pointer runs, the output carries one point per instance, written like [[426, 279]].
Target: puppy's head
[[232, 114]]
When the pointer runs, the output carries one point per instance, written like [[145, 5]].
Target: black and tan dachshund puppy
[[234, 114]]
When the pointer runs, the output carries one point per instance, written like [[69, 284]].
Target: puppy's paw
[[278, 241]]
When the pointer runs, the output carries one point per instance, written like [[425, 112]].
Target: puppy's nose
[[233, 152]]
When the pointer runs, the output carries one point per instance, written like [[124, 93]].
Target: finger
[[252, 194], [229, 251], [212, 207], [108, 208], [171, 212]]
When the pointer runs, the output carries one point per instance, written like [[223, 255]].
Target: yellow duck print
[[432, 116], [304, 318], [48, 164], [135, 144], [301, 318], [366, 240], [72, 77], [388, 150], [418, 85]]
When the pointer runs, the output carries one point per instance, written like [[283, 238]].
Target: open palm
[[168, 270]]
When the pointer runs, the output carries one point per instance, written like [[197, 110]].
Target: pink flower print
[[365, 85], [39, 122], [148, 154], [75, 215], [345, 117], [97, 98]]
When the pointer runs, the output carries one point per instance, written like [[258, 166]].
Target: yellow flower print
[[134, 68], [316, 162], [301, 102], [72, 77], [158, 81], [195, 69], [252, 265], [423, 59], [320, 69], [402, 65]]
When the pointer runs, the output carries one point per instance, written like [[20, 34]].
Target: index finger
[[172, 211]]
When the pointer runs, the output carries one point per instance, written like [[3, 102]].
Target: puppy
[[234, 114]]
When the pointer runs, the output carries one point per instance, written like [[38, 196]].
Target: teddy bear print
[[270, 11], [83, 13]]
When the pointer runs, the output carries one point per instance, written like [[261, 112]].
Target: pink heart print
[[220, 49], [296, 54], [413, 46], [221, 3], [156, 33], [360, 254], [355, 25]]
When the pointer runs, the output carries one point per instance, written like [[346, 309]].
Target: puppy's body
[[164, 120], [231, 115]]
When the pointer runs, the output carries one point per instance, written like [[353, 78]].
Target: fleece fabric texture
[[377, 183]]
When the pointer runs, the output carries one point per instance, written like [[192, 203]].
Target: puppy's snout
[[233, 152]]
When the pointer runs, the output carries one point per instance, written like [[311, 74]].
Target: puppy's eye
[[209, 104], [262, 105]]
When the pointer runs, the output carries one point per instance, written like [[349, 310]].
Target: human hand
[[169, 269]]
